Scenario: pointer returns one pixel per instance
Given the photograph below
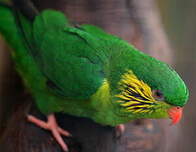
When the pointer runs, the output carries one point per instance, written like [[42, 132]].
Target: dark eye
[[158, 95]]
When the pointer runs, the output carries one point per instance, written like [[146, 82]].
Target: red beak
[[175, 113]]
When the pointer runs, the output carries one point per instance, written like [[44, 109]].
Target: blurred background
[[179, 20]]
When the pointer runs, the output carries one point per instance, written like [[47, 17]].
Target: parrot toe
[[119, 130], [52, 126]]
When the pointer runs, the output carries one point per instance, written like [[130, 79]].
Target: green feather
[[80, 70]]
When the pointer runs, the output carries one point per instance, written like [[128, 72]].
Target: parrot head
[[150, 88]]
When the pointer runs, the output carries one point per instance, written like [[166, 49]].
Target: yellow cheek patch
[[135, 96]]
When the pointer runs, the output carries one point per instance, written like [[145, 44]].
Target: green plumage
[[77, 70]]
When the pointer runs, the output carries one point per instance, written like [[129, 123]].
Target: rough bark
[[135, 21]]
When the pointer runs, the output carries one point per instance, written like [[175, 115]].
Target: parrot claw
[[52, 126], [119, 130]]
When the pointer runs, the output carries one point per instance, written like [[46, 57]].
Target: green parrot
[[86, 72]]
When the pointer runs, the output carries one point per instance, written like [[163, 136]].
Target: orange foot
[[51, 125]]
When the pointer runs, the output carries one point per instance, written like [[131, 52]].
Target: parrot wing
[[69, 58]]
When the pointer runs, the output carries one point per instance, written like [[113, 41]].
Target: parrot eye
[[158, 95]]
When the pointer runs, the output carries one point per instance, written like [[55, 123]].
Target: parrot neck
[[110, 108]]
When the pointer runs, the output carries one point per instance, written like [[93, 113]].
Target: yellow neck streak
[[135, 96]]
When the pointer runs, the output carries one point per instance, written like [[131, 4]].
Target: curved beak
[[175, 114]]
